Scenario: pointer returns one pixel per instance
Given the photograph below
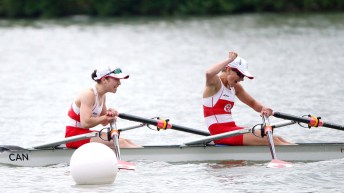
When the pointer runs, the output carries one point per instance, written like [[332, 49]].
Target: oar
[[121, 164], [205, 140], [162, 124], [132, 127], [312, 121], [275, 163], [54, 144]]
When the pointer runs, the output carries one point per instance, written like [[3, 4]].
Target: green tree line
[[118, 8]]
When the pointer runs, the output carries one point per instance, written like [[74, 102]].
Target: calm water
[[297, 62]]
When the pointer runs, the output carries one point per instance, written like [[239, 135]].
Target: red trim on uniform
[[221, 107], [73, 115], [73, 131], [226, 127], [207, 111]]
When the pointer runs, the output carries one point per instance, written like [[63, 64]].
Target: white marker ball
[[94, 163]]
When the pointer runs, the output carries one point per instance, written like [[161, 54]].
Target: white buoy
[[94, 163]]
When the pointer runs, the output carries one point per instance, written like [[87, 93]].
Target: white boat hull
[[301, 152]]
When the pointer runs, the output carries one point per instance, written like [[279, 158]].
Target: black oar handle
[[137, 119], [306, 120], [156, 122]]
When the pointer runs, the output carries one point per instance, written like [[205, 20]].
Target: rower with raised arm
[[89, 108], [221, 88]]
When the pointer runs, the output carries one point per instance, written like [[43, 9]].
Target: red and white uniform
[[218, 115], [73, 125]]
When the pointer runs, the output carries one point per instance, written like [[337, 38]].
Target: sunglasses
[[116, 71], [238, 73]]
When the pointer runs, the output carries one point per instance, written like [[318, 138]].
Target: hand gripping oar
[[115, 137], [275, 163], [162, 124], [312, 121]]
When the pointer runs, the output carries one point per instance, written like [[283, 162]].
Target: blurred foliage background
[[124, 8]]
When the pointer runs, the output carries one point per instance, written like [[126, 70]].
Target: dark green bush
[[115, 8]]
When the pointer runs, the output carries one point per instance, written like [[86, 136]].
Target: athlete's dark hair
[[94, 75]]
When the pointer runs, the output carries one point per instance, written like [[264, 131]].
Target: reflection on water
[[230, 164]]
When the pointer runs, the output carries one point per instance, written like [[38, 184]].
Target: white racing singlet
[[217, 108], [74, 111]]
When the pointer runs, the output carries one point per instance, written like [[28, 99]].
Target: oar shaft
[[189, 130], [334, 126], [291, 117], [131, 127], [137, 119], [156, 122], [205, 140], [115, 138], [307, 120], [268, 133], [66, 140], [116, 145], [283, 123], [271, 144]]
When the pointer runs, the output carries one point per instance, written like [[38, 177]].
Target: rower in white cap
[[222, 87], [89, 108]]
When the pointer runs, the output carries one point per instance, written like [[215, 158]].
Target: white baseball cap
[[107, 71], [242, 66]]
